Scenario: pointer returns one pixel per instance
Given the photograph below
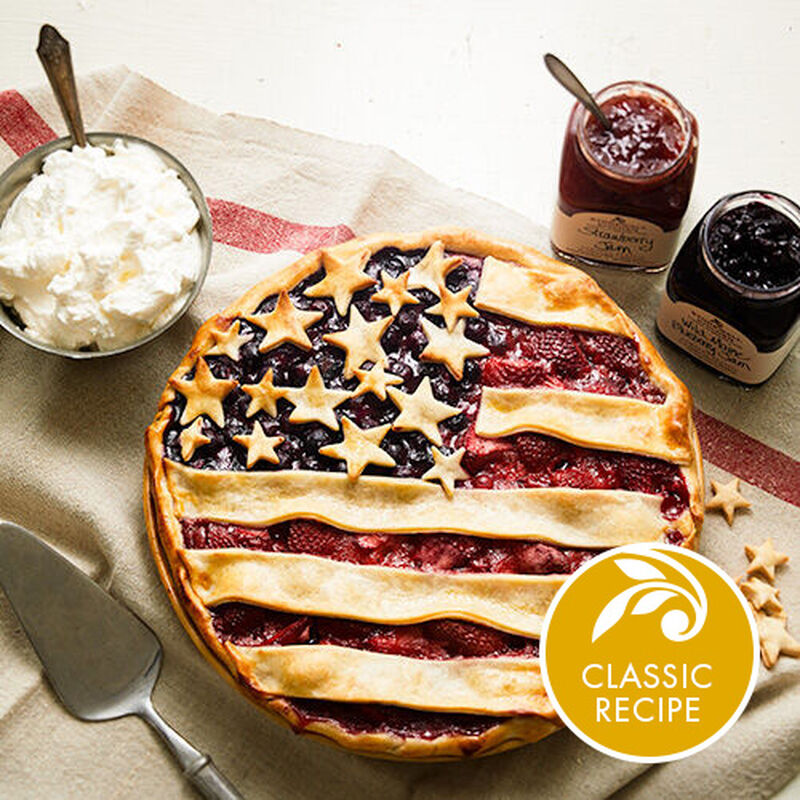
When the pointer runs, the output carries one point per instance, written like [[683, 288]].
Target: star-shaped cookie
[[432, 270], [191, 438], [763, 559], [727, 498], [452, 305], [204, 394], [375, 380], [285, 323], [344, 276], [264, 395], [446, 469], [259, 445], [421, 411], [394, 292], [314, 402], [775, 639], [451, 348], [762, 596], [359, 447], [228, 342], [361, 341]]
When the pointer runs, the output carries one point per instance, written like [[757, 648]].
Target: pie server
[[100, 658]]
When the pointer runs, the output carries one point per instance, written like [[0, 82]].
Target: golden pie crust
[[517, 282]]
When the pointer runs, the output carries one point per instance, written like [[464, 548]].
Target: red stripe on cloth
[[747, 458], [259, 232], [21, 127]]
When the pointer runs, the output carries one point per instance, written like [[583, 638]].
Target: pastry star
[[432, 270], [264, 395], [762, 596], [359, 447], [228, 343], [361, 340], [451, 348], [204, 394], [394, 292], [446, 469], [421, 411], [453, 305], [727, 497], [344, 275], [375, 380], [191, 438], [314, 403], [259, 445], [764, 559], [775, 639], [285, 324]]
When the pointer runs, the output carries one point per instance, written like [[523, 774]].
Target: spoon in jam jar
[[567, 78]]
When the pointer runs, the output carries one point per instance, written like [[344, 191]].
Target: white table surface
[[457, 87]]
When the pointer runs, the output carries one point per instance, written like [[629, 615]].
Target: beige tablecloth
[[71, 453]]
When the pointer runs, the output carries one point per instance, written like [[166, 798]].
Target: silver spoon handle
[[198, 768], [53, 52], [567, 78]]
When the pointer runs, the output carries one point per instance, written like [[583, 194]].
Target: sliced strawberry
[[504, 371], [538, 452], [618, 353], [405, 641], [467, 639], [558, 347]]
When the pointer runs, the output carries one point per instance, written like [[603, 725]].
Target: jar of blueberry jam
[[732, 298], [622, 193]]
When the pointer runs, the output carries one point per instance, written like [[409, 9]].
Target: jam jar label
[[718, 344], [612, 239]]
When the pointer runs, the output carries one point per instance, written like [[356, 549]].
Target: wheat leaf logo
[[653, 589]]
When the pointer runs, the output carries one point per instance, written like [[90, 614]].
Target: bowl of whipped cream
[[102, 248]]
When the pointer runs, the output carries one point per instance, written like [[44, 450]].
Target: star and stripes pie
[[369, 476]]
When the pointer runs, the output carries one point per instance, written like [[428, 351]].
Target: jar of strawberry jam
[[732, 298], [622, 193]]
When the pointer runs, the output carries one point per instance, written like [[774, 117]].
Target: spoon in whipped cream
[[54, 53], [105, 238]]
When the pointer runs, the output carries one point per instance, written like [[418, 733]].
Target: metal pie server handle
[[198, 768], [100, 658]]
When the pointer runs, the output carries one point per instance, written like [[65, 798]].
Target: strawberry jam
[[520, 355], [644, 140], [623, 192]]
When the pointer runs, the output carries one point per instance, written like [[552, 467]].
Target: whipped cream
[[100, 248]]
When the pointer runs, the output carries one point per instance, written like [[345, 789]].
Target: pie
[[369, 476]]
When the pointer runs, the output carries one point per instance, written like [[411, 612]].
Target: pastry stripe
[[502, 686], [603, 421], [306, 584], [545, 297], [591, 518]]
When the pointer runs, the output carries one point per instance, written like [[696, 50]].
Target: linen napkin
[[71, 458]]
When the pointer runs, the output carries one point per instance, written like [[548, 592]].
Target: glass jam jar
[[622, 193], [732, 297]]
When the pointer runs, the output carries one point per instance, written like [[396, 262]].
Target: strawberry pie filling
[[520, 355]]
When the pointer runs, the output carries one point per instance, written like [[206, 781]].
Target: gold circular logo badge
[[649, 652]]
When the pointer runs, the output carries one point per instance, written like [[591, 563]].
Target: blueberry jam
[[520, 355], [757, 246]]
